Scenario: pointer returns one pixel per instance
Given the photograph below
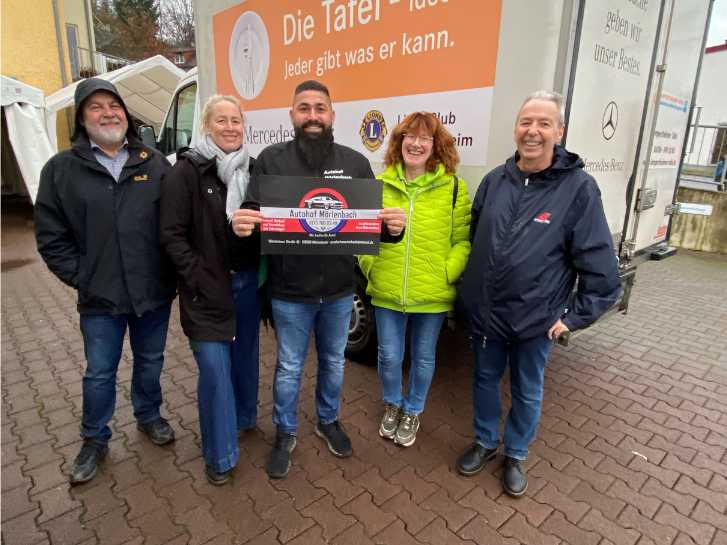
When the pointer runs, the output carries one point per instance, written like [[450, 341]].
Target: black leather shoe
[[86, 463], [474, 459], [514, 480], [159, 431], [279, 463], [217, 478]]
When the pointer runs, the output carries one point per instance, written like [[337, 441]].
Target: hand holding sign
[[394, 219], [244, 221], [305, 215]]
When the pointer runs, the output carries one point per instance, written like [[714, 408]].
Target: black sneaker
[[86, 463], [514, 479], [159, 431], [338, 442], [474, 459], [279, 464], [217, 478]]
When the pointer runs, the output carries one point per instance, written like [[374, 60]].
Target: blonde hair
[[213, 101]]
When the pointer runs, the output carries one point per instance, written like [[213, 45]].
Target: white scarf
[[232, 170]]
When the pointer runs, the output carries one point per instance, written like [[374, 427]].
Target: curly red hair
[[443, 149]]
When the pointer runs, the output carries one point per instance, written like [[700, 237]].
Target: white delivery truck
[[627, 68]]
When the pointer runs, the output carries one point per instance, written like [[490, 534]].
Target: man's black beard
[[314, 147]]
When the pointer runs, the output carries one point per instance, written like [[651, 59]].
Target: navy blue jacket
[[532, 236]]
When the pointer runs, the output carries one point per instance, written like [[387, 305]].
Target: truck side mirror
[[148, 135]]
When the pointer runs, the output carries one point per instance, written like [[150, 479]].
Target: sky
[[718, 25]]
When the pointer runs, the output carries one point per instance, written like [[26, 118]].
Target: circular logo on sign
[[373, 130], [323, 207], [610, 120], [249, 55]]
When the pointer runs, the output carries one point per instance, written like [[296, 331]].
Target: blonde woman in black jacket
[[218, 280]]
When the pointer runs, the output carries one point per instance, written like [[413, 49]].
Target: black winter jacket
[[531, 238], [314, 278], [101, 236], [197, 236]]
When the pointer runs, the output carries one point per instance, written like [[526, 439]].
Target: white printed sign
[[612, 73]]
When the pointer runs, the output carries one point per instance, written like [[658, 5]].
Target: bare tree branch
[[177, 23]]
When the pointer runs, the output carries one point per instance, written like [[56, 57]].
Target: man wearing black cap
[[97, 229]]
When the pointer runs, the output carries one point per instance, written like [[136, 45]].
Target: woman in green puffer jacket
[[413, 281]]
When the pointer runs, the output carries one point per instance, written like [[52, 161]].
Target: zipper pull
[[527, 180], [484, 341]]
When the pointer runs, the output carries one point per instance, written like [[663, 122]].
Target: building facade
[[46, 44]]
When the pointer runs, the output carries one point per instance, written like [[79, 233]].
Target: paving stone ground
[[632, 448]]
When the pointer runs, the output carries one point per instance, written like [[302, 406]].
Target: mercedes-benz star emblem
[[609, 121]]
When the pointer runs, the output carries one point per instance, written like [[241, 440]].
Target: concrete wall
[[29, 47], [702, 233]]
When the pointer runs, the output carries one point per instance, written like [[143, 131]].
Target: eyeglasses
[[414, 137]]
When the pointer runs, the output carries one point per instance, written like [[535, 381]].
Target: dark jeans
[[103, 340], [227, 389], [527, 360]]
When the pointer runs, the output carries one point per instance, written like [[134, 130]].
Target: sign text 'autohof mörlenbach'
[[303, 215]]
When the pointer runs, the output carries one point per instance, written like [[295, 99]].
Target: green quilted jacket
[[418, 273]]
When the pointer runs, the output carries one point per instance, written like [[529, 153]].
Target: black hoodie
[[101, 236]]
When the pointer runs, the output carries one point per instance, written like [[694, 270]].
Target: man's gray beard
[[112, 138], [315, 149]]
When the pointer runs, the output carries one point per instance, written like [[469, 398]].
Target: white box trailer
[[627, 68]]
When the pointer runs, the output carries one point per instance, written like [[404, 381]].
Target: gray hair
[[550, 96], [213, 101]]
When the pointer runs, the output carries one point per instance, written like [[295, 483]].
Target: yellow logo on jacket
[[141, 178]]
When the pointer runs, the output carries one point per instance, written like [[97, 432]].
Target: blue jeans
[[246, 348], [391, 330], [293, 325], [527, 361], [228, 378], [103, 341]]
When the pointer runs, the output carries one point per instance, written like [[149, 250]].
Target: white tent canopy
[[22, 105], [14, 91], [146, 87]]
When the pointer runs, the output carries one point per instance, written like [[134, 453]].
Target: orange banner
[[361, 49]]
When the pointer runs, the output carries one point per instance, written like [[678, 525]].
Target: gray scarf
[[232, 170]]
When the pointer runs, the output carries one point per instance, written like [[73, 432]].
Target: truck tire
[[362, 343]]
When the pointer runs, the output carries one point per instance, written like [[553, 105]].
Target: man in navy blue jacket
[[537, 226]]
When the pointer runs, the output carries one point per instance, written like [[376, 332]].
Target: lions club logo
[[323, 211], [373, 130]]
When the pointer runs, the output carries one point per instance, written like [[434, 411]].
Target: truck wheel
[[362, 345]]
